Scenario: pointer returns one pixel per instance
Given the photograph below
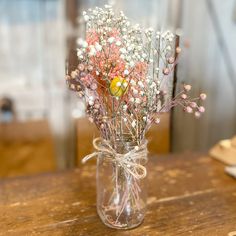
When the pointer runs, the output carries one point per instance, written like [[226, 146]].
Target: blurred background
[[42, 124]]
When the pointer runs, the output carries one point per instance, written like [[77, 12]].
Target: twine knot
[[132, 162]]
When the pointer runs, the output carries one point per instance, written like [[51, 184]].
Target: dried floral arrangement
[[122, 75], [125, 75]]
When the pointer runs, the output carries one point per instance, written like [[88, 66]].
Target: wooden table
[[188, 195]]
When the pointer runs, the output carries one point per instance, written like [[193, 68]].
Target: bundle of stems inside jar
[[125, 75]]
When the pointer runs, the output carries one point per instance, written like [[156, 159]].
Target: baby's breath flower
[[123, 50], [132, 64], [153, 85], [135, 91], [86, 18], [79, 52], [92, 51], [118, 84], [133, 123], [139, 48], [141, 93], [131, 99], [126, 72], [125, 107], [125, 84], [111, 40], [118, 43], [98, 47], [140, 83], [132, 82]]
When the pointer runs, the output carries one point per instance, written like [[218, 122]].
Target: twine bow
[[130, 161]]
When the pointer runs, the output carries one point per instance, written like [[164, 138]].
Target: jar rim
[[126, 144]]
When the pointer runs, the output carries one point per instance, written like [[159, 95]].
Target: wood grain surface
[[189, 194]]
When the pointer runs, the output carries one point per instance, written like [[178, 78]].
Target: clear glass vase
[[121, 196]]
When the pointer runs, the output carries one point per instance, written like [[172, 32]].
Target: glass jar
[[121, 195]]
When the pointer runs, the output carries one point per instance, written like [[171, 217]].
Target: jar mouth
[[124, 144]]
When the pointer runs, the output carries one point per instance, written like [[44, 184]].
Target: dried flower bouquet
[[125, 76]]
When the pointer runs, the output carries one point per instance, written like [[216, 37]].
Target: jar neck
[[125, 144]]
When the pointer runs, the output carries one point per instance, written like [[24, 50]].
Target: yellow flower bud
[[118, 86]]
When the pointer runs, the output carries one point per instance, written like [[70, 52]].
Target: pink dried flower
[[83, 74], [87, 80], [201, 109], [97, 106], [193, 104], [91, 119], [189, 109], [178, 50], [90, 67], [93, 86], [187, 87], [197, 114], [203, 96], [184, 96], [164, 92], [74, 74], [157, 120], [171, 60], [80, 94], [81, 67], [166, 71]]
